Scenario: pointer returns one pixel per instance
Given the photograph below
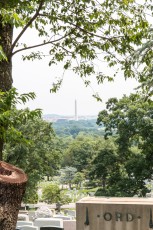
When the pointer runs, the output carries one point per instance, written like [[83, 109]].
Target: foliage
[[77, 33], [31, 196], [39, 156], [73, 128], [78, 179], [130, 120], [67, 175], [8, 101], [104, 163], [9, 117], [81, 34], [64, 197], [79, 152], [51, 193]]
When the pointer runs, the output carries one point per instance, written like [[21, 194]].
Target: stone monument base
[[101, 213]]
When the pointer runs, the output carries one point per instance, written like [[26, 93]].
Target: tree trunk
[[1, 148], [12, 188], [6, 36], [12, 179], [103, 182]]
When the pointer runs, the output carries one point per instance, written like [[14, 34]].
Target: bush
[[51, 193]]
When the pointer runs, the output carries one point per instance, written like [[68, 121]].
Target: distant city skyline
[[56, 117]]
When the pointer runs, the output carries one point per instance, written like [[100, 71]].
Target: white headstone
[[44, 222], [63, 217], [23, 217], [28, 227], [21, 223]]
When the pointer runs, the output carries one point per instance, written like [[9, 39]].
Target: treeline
[[73, 128], [119, 163]]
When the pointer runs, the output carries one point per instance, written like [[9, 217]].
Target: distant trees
[[75, 34], [79, 152], [104, 164], [78, 179], [119, 165], [73, 128], [67, 175], [129, 120], [51, 193], [118, 162]]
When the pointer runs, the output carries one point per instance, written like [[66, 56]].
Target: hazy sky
[[37, 77]]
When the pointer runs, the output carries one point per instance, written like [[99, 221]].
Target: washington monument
[[76, 112]]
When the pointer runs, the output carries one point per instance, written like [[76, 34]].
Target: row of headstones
[[47, 222], [24, 217], [41, 228]]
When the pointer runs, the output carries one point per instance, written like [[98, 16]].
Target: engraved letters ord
[[118, 216]]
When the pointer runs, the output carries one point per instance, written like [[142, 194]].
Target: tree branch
[[28, 24], [85, 31], [41, 44]]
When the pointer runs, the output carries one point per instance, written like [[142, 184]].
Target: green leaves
[[129, 121], [9, 116], [35, 150], [10, 16], [56, 86], [76, 34], [26, 97]]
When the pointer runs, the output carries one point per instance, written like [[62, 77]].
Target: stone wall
[[94, 213]]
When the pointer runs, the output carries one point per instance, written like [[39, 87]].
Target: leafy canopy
[[78, 32], [10, 118], [130, 121], [38, 155]]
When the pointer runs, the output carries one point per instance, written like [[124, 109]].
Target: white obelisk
[[76, 112]]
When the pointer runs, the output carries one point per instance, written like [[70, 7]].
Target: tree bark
[[12, 180], [12, 188], [1, 148], [103, 182], [6, 36]]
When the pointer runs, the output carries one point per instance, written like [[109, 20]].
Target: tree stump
[[12, 188]]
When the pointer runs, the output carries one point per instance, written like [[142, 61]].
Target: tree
[[104, 163], [129, 119], [80, 152], [78, 179], [12, 187], [67, 175], [77, 32], [51, 193], [72, 32], [38, 156], [9, 118], [13, 179], [67, 128]]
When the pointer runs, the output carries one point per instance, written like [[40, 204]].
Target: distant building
[[76, 112]]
